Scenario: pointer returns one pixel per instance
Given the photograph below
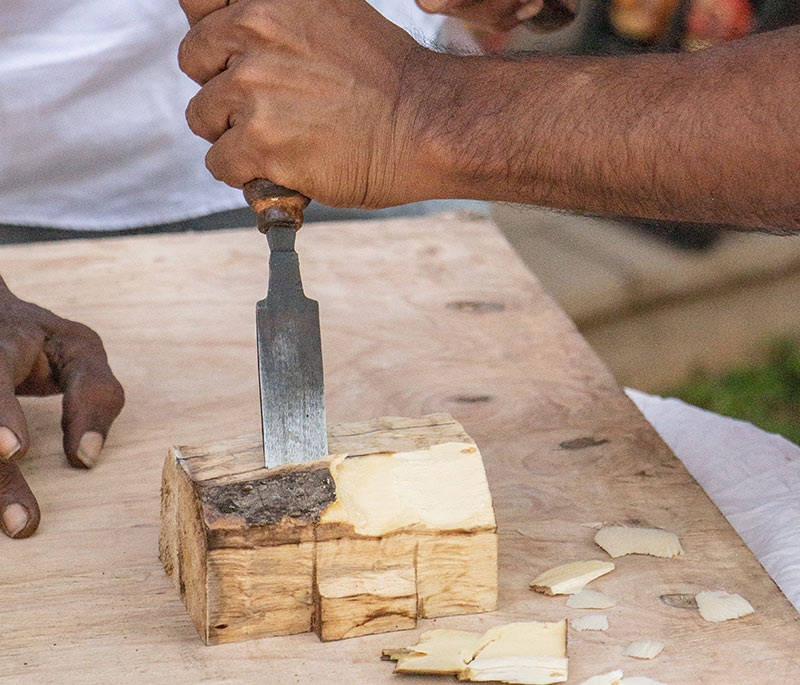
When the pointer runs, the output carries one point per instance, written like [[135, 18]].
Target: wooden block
[[365, 586], [259, 592], [456, 574], [397, 523]]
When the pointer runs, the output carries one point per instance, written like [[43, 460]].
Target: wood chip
[[621, 540], [590, 622], [523, 653], [644, 649], [717, 606], [590, 599], [613, 678], [570, 578], [437, 651]]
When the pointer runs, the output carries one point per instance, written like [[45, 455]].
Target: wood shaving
[[644, 649], [591, 622], [530, 653], [621, 540], [717, 606], [613, 678], [590, 599], [570, 578]]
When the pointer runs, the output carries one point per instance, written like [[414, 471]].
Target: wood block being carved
[[396, 524]]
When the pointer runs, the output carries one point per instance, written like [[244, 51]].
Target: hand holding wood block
[[398, 525]]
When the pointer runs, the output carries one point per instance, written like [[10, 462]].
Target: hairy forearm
[[710, 137]]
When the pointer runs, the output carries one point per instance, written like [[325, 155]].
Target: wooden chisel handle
[[274, 204]]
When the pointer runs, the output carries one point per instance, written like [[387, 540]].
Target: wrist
[[439, 99], [467, 126]]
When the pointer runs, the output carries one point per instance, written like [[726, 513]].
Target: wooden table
[[418, 316]]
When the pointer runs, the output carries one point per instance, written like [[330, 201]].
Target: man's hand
[[43, 354], [490, 20], [491, 16], [312, 97]]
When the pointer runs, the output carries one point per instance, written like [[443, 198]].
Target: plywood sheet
[[418, 316]]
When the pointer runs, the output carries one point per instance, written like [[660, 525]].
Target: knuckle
[[86, 335], [214, 164], [224, 169], [245, 76], [185, 61], [253, 17], [194, 117], [118, 401], [20, 335]]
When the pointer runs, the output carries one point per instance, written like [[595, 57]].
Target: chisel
[[288, 336]]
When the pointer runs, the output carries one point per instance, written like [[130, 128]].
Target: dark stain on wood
[[582, 443], [475, 306], [302, 494], [472, 399]]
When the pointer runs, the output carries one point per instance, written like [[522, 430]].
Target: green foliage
[[767, 395]]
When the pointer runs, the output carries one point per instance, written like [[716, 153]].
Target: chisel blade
[[290, 361]]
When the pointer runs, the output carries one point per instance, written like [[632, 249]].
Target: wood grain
[[417, 316]]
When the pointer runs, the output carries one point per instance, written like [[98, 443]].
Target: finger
[[14, 438], [195, 10], [206, 49], [436, 6], [492, 16], [93, 397], [229, 160], [19, 511], [211, 111], [529, 10]]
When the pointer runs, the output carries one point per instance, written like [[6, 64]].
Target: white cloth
[[751, 475], [92, 131]]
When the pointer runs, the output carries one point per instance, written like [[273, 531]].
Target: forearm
[[709, 137]]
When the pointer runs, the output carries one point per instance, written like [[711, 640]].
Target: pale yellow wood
[[435, 314], [365, 586], [456, 574], [259, 592], [192, 557]]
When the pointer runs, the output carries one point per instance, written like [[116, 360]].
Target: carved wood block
[[396, 524]]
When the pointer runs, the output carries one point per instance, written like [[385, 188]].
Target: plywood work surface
[[418, 316]]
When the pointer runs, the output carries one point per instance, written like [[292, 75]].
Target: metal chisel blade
[[290, 361]]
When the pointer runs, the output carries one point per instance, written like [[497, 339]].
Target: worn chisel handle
[[274, 204]]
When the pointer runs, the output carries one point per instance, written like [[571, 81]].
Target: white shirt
[[92, 128]]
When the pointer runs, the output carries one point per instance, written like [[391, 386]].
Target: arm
[[350, 111], [708, 137]]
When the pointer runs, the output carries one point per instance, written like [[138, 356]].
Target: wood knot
[[679, 601]]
